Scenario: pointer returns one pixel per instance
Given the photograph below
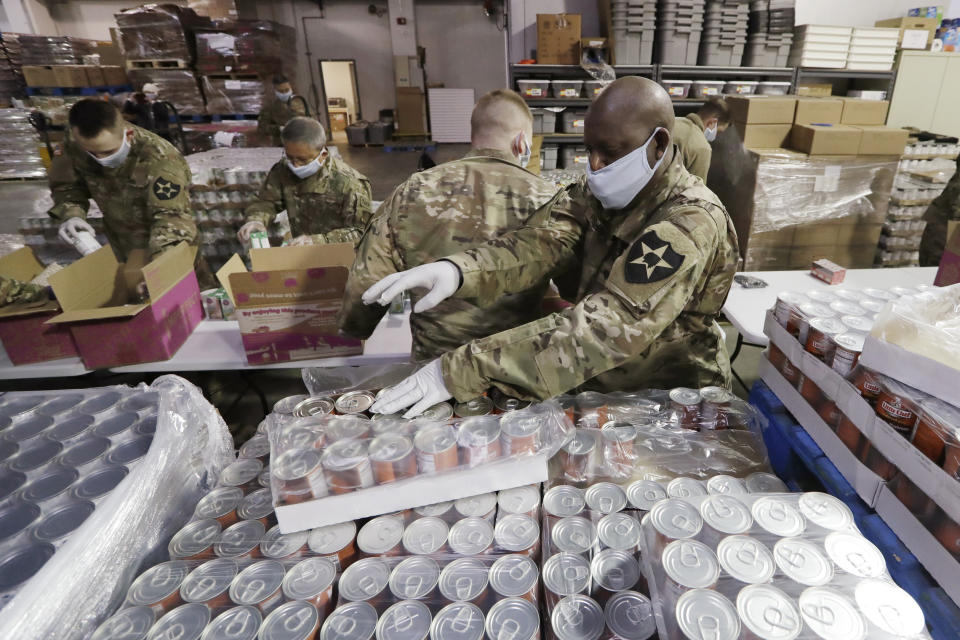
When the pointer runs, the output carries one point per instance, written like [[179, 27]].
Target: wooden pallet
[[160, 63], [240, 75]]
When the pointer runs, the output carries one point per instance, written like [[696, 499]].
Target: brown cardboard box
[[761, 109], [859, 111], [114, 76], [825, 140], [925, 24], [558, 38], [818, 111], [410, 110], [840, 232], [36, 76], [882, 141], [95, 77], [814, 90], [763, 136], [70, 75], [109, 53]]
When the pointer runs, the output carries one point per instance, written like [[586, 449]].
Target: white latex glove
[[244, 233], [423, 389], [441, 279], [300, 241], [72, 226]]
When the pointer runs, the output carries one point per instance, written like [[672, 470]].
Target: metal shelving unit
[[708, 72], [559, 102]]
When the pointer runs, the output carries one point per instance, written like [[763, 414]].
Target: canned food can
[[241, 540], [808, 311], [436, 448], [520, 500], [50, 485], [715, 407], [685, 404], [98, 483], [220, 505], [746, 559], [618, 439], [187, 621], [347, 427], [847, 348], [464, 580], [481, 406], [689, 564], [936, 424], [85, 453], [347, 466], [519, 433], [259, 585], [605, 497], [354, 402], [301, 406], [256, 447], [700, 607], [515, 576], [803, 562], [158, 588], [851, 295], [241, 473], [686, 488], [675, 519], [775, 356], [28, 429], [479, 440], [458, 621], [146, 427], [890, 608], [36, 455], [517, 534], [282, 546], [311, 580], [762, 482], [483, 506], [850, 435], [867, 384], [195, 540], [127, 453], [59, 522], [897, 408], [210, 582], [564, 500], [415, 578], [365, 580], [830, 615], [406, 620], [381, 536], [879, 294], [830, 414], [21, 407], [847, 308], [591, 409], [643, 494], [115, 425], [471, 537], [515, 618], [565, 574], [768, 612], [236, 623], [726, 515], [257, 505], [614, 571], [131, 623], [857, 324], [790, 373], [574, 534], [820, 336], [619, 531], [877, 462], [725, 485], [425, 536], [855, 555], [440, 412], [302, 434], [575, 455], [787, 310], [335, 541], [503, 403], [778, 516], [299, 474], [295, 620], [577, 617], [382, 423], [352, 621], [629, 615], [69, 428], [810, 391], [392, 457], [58, 405], [99, 404], [825, 511], [436, 510]]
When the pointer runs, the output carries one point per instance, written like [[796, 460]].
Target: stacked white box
[[821, 46], [679, 27], [724, 33], [632, 25], [770, 33], [872, 49]]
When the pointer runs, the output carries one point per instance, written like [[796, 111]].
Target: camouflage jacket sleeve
[[359, 204], [947, 204], [168, 203], [605, 330], [71, 198], [700, 162], [270, 201], [17, 292], [377, 257]]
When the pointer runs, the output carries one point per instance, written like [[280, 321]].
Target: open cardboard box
[[25, 336], [287, 305], [110, 331]]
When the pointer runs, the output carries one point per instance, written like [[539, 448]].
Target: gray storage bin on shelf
[[573, 120], [548, 157], [574, 156], [379, 132]]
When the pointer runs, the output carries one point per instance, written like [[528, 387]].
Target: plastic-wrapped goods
[[158, 31], [770, 566], [19, 146], [243, 45], [243, 94], [53, 50], [177, 86], [11, 75], [95, 483]]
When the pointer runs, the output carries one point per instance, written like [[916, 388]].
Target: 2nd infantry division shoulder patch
[[165, 190], [650, 260]]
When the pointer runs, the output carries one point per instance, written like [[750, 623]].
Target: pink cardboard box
[[111, 328]]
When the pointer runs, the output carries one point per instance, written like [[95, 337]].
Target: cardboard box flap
[[305, 257], [17, 310], [168, 269], [20, 265], [233, 265], [92, 282], [288, 286], [106, 313]]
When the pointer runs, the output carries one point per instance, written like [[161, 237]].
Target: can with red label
[[775, 356], [867, 384], [790, 373], [809, 311], [479, 440], [850, 435], [347, 466], [242, 540], [210, 582], [896, 406], [354, 402], [847, 348], [480, 406], [392, 457], [787, 310], [947, 532], [820, 335], [575, 455], [935, 423], [685, 405], [876, 462], [381, 536], [810, 391], [299, 475], [830, 414], [436, 448], [519, 433], [335, 542], [618, 452], [257, 505], [915, 500], [195, 540], [256, 447], [591, 409], [715, 407], [159, 587]]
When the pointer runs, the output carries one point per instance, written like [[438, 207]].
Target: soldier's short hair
[[488, 102], [715, 108], [305, 130], [92, 117], [280, 79]]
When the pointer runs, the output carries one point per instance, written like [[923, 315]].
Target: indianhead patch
[[650, 260], [165, 190]]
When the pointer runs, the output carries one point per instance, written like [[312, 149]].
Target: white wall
[[523, 22], [855, 13], [4, 22]]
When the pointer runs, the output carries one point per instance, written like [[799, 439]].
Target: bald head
[[498, 118], [624, 116]]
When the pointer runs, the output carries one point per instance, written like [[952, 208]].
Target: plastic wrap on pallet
[[155, 31], [233, 95], [19, 146], [244, 45], [177, 86], [87, 578]]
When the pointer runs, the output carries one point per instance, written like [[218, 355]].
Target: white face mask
[[150, 96], [618, 183], [118, 157], [283, 96], [308, 169], [710, 134], [524, 156]]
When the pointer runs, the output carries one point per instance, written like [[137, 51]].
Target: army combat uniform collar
[[492, 153], [695, 119]]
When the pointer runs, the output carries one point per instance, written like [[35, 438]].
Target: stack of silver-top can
[[61, 454], [773, 565]]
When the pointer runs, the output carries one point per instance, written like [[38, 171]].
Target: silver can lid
[[574, 534], [295, 620], [829, 326], [762, 482], [746, 559], [257, 582], [36, 455], [685, 397], [686, 488], [476, 506], [264, 478], [605, 497], [345, 454], [293, 464], [255, 505], [351, 621], [577, 617], [364, 579], [309, 578], [676, 519], [256, 447], [426, 535], [458, 621], [826, 511], [519, 499], [10, 481], [22, 562], [380, 535], [434, 510], [238, 539], [851, 295], [566, 574], [615, 570], [479, 406], [470, 536], [209, 580], [8, 449], [521, 424], [143, 401], [690, 564], [717, 395], [16, 517], [131, 623], [236, 623], [618, 432], [276, 545], [890, 608], [564, 500], [856, 555], [346, 427], [186, 622], [85, 451], [28, 429], [441, 412], [801, 561], [98, 403], [778, 516], [582, 443], [513, 618], [20, 406], [241, 472], [726, 485], [60, 404], [643, 494], [435, 438], [703, 614], [129, 452], [513, 575], [146, 427], [99, 483], [287, 406], [50, 485], [302, 434], [331, 538], [115, 425], [629, 616], [830, 615], [463, 579], [69, 428], [390, 447], [406, 620], [619, 531], [516, 532], [62, 521], [414, 578], [218, 502], [726, 514], [193, 538], [857, 324], [354, 402], [157, 583], [768, 612], [851, 341]]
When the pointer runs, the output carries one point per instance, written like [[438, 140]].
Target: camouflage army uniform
[[145, 202], [446, 209], [945, 208], [696, 151], [650, 282], [332, 205], [14, 291], [275, 115]]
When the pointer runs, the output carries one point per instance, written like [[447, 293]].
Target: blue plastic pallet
[[77, 91], [800, 462]]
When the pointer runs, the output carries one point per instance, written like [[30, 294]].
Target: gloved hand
[[301, 241], [423, 389], [441, 279], [243, 235], [72, 226]]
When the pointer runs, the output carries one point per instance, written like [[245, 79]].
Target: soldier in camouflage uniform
[[326, 199], [139, 180], [653, 254], [13, 291], [945, 208], [449, 208], [279, 111], [694, 133]]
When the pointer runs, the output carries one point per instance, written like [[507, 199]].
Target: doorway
[[338, 79]]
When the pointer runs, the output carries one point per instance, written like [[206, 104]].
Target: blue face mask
[[710, 133], [283, 96], [308, 169], [116, 159]]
